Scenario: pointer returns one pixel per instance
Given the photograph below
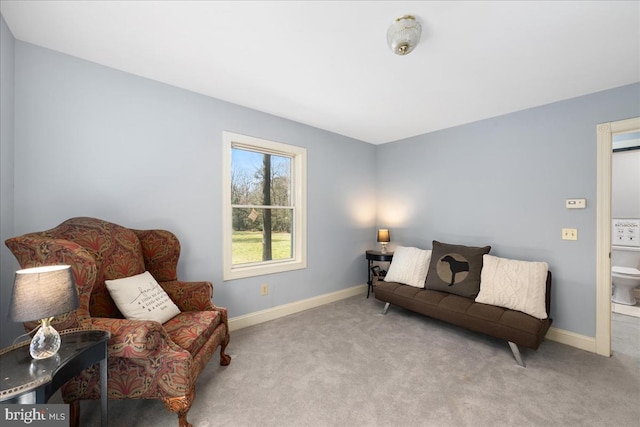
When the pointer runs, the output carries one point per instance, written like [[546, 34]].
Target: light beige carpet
[[344, 364]]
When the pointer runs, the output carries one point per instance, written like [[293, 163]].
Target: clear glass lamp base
[[46, 342]]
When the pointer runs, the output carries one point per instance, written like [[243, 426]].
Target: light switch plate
[[576, 203], [569, 234]]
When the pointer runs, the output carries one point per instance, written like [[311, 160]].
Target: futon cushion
[[409, 266], [514, 284], [456, 269], [140, 297]]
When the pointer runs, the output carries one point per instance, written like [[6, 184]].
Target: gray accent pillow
[[456, 269]]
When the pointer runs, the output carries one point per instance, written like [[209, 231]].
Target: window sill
[[262, 269]]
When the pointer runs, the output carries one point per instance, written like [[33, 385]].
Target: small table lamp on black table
[[40, 293]]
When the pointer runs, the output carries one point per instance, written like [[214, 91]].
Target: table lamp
[[383, 239], [40, 293]]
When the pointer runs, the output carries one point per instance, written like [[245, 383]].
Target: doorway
[[605, 132]]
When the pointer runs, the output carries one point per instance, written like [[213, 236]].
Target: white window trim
[[299, 160]]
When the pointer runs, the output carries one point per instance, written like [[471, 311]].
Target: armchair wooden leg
[[74, 413], [180, 405], [225, 359]]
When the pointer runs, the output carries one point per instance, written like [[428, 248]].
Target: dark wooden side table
[[371, 257], [20, 374]]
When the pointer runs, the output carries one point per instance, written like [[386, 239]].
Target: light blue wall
[[503, 182], [93, 141], [8, 264]]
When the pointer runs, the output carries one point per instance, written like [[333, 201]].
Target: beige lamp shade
[[384, 236]]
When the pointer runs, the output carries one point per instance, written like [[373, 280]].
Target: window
[[264, 218]]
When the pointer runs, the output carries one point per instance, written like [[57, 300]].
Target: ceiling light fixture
[[404, 34]]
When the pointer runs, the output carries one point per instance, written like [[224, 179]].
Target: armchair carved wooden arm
[[146, 359]]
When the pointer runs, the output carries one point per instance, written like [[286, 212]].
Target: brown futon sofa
[[513, 326]]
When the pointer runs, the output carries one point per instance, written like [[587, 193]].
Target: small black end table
[[20, 374], [371, 257]]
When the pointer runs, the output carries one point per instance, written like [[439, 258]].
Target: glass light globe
[[404, 34]]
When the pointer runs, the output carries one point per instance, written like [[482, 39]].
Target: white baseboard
[[582, 342], [262, 316]]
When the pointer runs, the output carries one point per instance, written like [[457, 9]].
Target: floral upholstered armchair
[[146, 359]]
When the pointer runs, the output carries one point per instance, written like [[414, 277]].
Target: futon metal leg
[[386, 307], [516, 354]]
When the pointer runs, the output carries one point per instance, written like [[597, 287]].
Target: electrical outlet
[[569, 234], [264, 290]]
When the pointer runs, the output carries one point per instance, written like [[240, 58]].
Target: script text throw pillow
[[140, 297]]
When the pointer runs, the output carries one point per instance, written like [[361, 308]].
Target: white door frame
[[603, 224]]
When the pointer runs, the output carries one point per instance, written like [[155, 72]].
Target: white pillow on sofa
[[518, 285], [409, 266], [140, 297]]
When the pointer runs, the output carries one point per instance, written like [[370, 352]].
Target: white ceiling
[[326, 63]]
